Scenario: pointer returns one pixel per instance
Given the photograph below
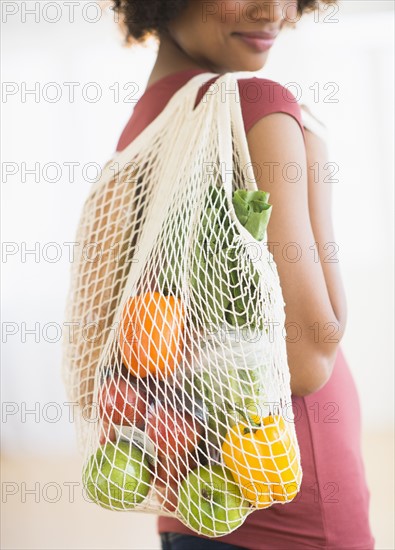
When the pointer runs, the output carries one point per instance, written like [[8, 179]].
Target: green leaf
[[256, 198], [241, 206], [210, 281], [257, 223], [253, 211]]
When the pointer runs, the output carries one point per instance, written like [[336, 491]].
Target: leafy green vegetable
[[210, 288], [224, 290], [223, 284], [253, 211]]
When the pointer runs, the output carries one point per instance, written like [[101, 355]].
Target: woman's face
[[231, 35]]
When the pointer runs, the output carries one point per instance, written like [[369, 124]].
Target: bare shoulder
[[277, 136]]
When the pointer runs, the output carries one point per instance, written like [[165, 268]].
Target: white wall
[[355, 53]]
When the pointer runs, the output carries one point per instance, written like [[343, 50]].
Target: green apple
[[210, 501], [117, 476]]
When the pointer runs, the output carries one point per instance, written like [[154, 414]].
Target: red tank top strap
[[260, 97]]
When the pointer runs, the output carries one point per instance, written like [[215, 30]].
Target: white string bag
[[178, 358]]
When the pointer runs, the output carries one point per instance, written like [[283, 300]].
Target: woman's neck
[[171, 59]]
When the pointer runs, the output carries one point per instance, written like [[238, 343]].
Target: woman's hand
[[300, 219]]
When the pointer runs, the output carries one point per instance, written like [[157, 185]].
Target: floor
[[43, 507]]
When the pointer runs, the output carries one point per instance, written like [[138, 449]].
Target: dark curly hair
[[144, 18]]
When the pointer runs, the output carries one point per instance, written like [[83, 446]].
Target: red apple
[[175, 433], [121, 403]]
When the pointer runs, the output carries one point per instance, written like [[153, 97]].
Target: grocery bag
[[177, 359]]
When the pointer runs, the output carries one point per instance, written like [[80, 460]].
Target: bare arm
[[320, 208], [311, 288]]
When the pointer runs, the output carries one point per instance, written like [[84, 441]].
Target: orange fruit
[[151, 334]]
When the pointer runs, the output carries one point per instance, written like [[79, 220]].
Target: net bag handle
[[231, 131]]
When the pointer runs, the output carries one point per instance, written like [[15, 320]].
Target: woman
[[197, 36]]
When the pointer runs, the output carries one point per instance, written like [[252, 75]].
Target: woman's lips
[[256, 41]]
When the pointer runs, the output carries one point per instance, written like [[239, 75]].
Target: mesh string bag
[[177, 359]]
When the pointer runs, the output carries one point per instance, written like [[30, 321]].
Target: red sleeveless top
[[331, 511], [258, 97]]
